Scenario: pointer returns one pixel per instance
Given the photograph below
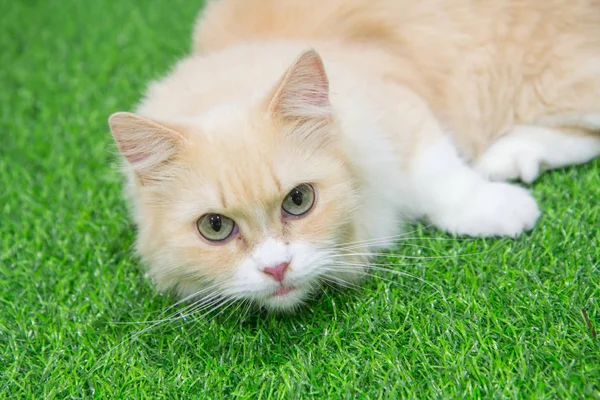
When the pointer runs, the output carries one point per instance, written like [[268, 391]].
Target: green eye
[[299, 201], [216, 227]]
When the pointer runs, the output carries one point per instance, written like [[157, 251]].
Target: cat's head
[[244, 202]]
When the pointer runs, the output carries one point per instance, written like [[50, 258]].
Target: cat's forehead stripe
[[242, 186], [221, 195], [274, 176]]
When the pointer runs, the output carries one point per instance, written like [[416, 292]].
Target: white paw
[[492, 209], [510, 158]]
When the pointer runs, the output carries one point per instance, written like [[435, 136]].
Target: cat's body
[[483, 66], [374, 135]]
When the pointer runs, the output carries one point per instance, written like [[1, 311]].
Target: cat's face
[[244, 202]]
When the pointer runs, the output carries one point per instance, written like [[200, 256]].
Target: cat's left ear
[[147, 145], [303, 92]]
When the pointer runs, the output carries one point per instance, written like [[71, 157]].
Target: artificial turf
[[490, 318]]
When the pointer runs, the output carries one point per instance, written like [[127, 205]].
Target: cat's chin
[[284, 299]]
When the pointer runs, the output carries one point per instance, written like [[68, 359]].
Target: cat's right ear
[[303, 92], [146, 145]]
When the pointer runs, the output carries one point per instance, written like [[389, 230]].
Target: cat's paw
[[510, 158], [492, 209]]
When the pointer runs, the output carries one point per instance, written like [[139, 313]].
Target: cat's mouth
[[285, 297], [283, 290]]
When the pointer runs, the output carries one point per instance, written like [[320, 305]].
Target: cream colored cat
[[301, 135]]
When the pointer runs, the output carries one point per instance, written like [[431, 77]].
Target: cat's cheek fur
[[179, 260]]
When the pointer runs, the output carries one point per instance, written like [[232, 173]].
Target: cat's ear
[[146, 144], [303, 92]]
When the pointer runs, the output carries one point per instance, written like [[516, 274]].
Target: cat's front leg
[[458, 200]]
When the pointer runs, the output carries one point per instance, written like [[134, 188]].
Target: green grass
[[503, 322]]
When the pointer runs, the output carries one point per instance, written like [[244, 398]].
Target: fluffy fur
[[391, 110]]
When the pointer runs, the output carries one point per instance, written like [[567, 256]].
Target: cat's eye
[[299, 201], [216, 227]]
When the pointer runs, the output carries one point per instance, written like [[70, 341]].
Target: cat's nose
[[277, 272]]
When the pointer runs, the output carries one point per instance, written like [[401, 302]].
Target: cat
[[299, 137]]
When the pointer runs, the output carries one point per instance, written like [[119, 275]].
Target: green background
[[489, 318]]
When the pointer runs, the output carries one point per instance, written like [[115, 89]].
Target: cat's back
[[408, 23], [482, 66], [430, 41]]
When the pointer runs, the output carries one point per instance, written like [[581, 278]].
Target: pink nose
[[277, 272]]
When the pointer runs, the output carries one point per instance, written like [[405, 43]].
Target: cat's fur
[[414, 108]]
